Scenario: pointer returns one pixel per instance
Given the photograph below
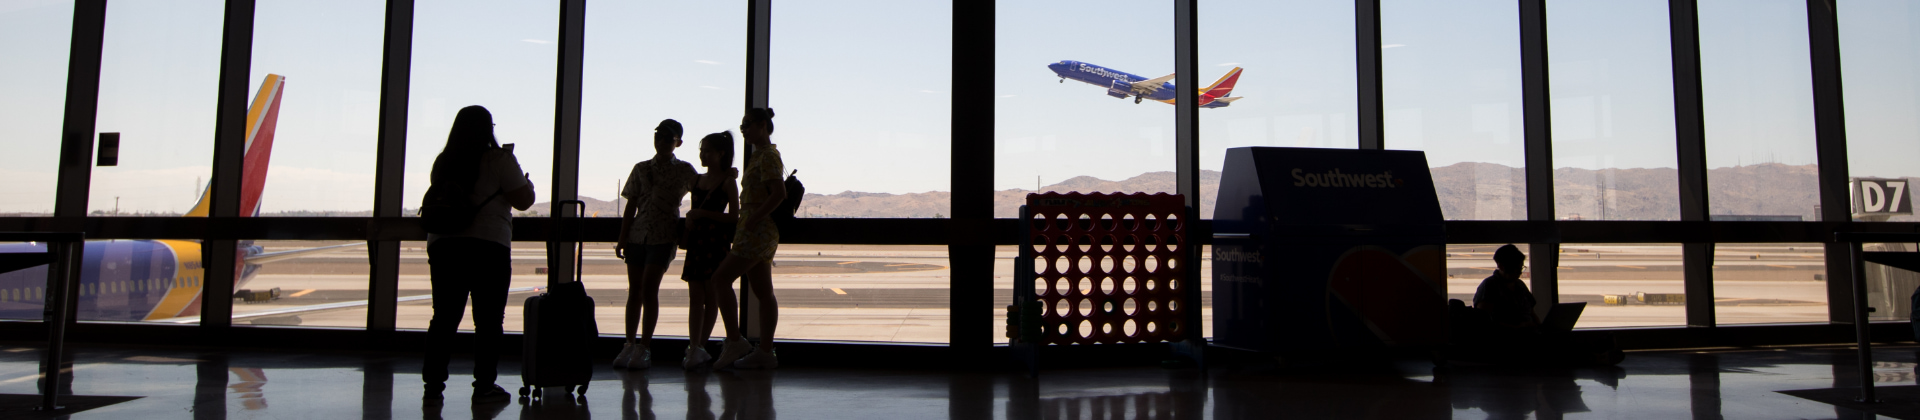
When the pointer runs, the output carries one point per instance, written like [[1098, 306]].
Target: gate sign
[[1881, 196]]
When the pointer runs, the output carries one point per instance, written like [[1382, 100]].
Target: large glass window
[[864, 108], [1771, 284], [1302, 91], [33, 90], [1061, 123], [1611, 84], [326, 126], [159, 71], [497, 54], [1757, 84], [1881, 74], [689, 68], [306, 283], [1452, 88], [528, 276], [1624, 285]]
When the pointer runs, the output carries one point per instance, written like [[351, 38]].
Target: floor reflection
[[1721, 383]]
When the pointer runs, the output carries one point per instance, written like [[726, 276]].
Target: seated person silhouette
[[1501, 327]]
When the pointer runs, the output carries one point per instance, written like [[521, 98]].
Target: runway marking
[[301, 293], [848, 262], [1632, 267], [1780, 266], [837, 291]]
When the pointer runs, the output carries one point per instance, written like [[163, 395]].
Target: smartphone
[[508, 146]]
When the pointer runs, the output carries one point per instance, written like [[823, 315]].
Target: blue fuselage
[[1119, 84], [120, 280]]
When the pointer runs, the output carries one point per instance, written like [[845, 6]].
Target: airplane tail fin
[[1221, 88], [262, 118]]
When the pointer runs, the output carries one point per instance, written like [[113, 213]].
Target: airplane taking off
[[148, 280], [1121, 84]]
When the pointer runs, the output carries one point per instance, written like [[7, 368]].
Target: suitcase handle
[[579, 248]]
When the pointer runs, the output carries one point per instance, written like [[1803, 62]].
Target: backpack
[[446, 211], [783, 215]]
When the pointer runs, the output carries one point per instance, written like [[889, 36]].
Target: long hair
[[471, 136], [720, 142]]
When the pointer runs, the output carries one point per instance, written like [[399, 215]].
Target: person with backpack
[[649, 231], [755, 238], [469, 234]]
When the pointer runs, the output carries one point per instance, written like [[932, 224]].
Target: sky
[[863, 88]]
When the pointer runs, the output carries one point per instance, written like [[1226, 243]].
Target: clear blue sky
[[863, 88]]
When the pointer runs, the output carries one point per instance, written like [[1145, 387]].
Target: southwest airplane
[[1121, 84], [151, 280]]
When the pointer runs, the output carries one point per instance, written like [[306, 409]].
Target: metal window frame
[[972, 233]]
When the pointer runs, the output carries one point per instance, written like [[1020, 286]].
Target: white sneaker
[[625, 357], [759, 360], [641, 359], [695, 357], [730, 351]]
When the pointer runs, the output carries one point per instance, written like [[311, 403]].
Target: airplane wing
[[1151, 85], [270, 257]]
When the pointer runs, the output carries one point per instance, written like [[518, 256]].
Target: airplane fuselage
[[121, 280], [1118, 83]]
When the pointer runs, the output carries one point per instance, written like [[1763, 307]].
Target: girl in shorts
[[710, 224], [754, 240]]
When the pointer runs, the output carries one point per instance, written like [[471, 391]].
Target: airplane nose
[[1057, 67]]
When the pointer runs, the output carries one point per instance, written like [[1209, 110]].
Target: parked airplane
[[147, 280], [1121, 84]]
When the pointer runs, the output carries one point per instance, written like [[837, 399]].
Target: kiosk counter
[[1327, 249]]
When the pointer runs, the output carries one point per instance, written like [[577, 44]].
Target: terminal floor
[[1716, 383]]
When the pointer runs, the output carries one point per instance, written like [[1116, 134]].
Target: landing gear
[[1063, 80], [1137, 98]]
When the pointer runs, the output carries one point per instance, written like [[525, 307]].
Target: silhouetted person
[[755, 238], [1503, 298], [475, 261], [710, 225], [649, 228]]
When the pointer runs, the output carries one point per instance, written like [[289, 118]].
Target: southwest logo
[[1336, 179]]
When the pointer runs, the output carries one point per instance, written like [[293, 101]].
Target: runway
[[900, 293]]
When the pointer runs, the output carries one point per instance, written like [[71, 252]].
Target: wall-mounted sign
[[1881, 196]]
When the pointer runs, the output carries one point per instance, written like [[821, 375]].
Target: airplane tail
[[1221, 89], [262, 118]]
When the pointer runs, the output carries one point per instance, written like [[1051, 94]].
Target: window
[[1877, 44], [33, 89], [1624, 285], [863, 109], [689, 68], [1611, 83], [1772, 284], [1301, 88], [1451, 81], [1060, 122], [1756, 81], [329, 114], [497, 54], [326, 287], [159, 71]]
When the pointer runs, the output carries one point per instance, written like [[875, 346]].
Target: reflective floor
[[1734, 383]]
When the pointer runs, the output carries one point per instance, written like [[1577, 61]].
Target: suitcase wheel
[[523, 391]]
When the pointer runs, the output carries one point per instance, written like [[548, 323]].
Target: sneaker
[[490, 394], [759, 360], [730, 351], [625, 356], [641, 358], [695, 357]]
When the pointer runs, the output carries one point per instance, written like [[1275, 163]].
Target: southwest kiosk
[[1322, 250]]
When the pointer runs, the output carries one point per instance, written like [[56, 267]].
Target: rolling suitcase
[[560, 330]]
